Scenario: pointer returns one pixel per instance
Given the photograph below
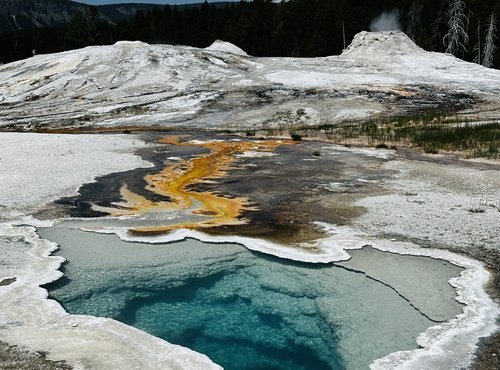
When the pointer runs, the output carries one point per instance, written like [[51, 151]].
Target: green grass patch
[[430, 133]]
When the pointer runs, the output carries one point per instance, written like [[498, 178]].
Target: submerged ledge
[[444, 346], [327, 250], [451, 344]]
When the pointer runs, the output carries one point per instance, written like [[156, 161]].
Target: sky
[[100, 2]]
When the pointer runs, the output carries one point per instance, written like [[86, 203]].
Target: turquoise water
[[244, 310], [217, 316]]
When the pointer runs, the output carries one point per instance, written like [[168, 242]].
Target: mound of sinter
[[136, 84], [226, 47], [377, 44]]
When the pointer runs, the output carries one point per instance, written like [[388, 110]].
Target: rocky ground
[[15, 358], [489, 355], [135, 84], [439, 201]]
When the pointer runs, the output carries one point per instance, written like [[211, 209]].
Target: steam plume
[[387, 21]]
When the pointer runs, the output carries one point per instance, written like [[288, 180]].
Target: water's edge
[[477, 320], [459, 336]]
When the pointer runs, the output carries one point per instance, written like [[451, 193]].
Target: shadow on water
[[186, 293], [61, 282]]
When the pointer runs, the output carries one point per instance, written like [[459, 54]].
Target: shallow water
[[247, 310]]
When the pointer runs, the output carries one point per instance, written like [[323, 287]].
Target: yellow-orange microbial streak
[[174, 181]]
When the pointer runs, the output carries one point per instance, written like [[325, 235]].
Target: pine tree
[[457, 37], [489, 45]]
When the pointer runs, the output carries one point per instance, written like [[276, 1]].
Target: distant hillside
[[16, 15], [120, 12], [22, 15]]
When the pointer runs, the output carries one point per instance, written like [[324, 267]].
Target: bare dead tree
[[466, 43], [489, 44], [456, 38]]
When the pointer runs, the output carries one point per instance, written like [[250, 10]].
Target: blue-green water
[[214, 316], [244, 310]]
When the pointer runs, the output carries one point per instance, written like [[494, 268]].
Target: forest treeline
[[299, 28]]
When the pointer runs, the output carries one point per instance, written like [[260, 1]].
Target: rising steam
[[387, 21]]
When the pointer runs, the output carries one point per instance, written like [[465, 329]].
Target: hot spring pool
[[251, 311]]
